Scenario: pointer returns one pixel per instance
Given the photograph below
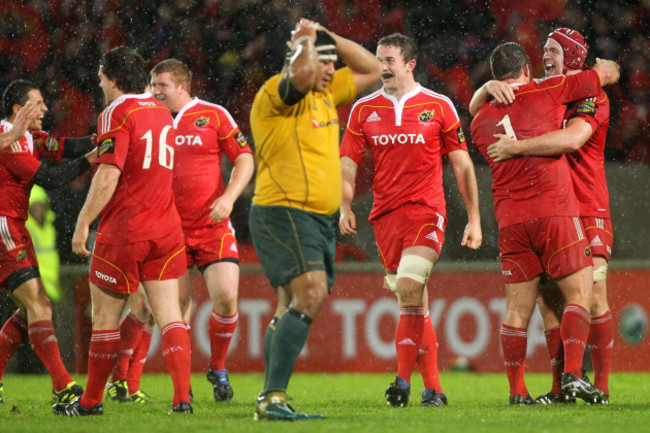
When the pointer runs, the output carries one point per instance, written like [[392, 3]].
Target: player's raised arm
[[303, 60], [503, 93], [20, 124], [366, 68]]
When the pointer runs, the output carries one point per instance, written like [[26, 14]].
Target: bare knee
[[310, 298], [224, 301], [409, 292]]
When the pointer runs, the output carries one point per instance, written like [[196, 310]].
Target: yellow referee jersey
[[297, 146]]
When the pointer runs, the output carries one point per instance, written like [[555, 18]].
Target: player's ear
[[15, 109], [526, 70], [411, 65]]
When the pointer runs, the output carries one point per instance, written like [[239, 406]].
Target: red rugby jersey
[[135, 133], [532, 187], [406, 140], [18, 165], [588, 163], [204, 132]]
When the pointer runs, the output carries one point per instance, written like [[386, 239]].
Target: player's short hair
[[180, 71], [17, 92], [404, 43], [127, 68], [508, 60]]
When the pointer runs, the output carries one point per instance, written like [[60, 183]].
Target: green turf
[[351, 402]]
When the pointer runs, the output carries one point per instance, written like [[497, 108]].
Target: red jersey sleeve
[[231, 140], [113, 138], [19, 160], [577, 86], [591, 110], [354, 141], [451, 132]]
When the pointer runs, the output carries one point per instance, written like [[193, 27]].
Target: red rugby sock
[[12, 335], [138, 361], [130, 334], [46, 346], [176, 351], [574, 329], [101, 358], [221, 331], [408, 339], [513, 342], [428, 356], [556, 354], [601, 343]]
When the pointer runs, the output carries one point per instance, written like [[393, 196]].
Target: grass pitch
[[351, 402]]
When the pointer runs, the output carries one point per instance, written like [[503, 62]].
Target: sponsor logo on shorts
[[201, 121], [426, 116], [432, 237], [105, 277], [22, 255], [241, 139], [106, 146], [596, 242]]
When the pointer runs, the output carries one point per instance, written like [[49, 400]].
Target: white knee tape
[[390, 282], [414, 267], [600, 274]]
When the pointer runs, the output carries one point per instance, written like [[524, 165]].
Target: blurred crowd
[[232, 46]]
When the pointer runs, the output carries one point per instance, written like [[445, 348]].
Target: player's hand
[[305, 27], [504, 149], [472, 235], [79, 239], [221, 209], [93, 138], [348, 223], [29, 112], [503, 93], [612, 68]]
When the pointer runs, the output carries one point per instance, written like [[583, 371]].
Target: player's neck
[[182, 102], [402, 90]]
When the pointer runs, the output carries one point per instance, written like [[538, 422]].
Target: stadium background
[[233, 46]]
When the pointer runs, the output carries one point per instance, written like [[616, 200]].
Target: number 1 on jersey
[[507, 125], [163, 149]]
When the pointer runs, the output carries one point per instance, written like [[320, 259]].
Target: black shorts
[[290, 242]]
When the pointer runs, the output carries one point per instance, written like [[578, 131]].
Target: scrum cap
[[574, 47]]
